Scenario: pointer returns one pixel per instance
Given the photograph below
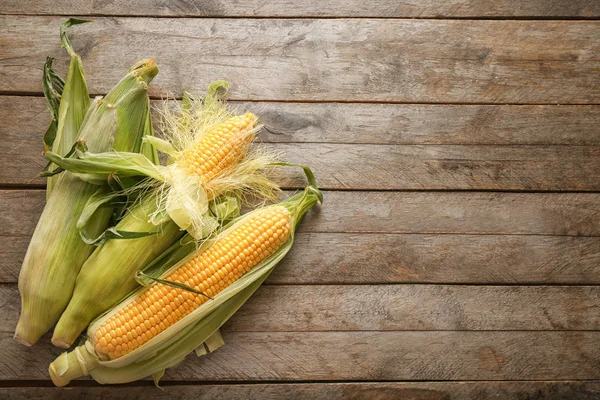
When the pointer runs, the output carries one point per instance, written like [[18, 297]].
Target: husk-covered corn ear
[[108, 274], [211, 154], [56, 251], [156, 327]]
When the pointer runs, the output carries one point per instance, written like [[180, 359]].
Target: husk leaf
[[74, 102], [52, 85], [102, 165]]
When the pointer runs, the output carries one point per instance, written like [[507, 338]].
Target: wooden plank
[[301, 308], [10, 306], [398, 167], [397, 258], [321, 391], [341, 258], [391, 167], [570, 214], [407, 124], [327, 59], [26, 120], [11, 257], [419, 307], [327, 8], [318, 356]]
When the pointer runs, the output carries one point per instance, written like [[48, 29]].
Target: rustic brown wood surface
[[365, 123], [327, 8], [356, 146], [457, 254], [376, 308], [325, 59], [571, 214], [333, 391], [363, 356], [341, 258]]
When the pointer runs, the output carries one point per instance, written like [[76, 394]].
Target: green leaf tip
[[78, 146], [218, 89], [53, 86], [310, 177], [145, 280], [112, 233], [64, 39], [145, 70], [156, 377]]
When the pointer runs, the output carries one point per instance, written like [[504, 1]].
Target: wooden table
[[457, 255]]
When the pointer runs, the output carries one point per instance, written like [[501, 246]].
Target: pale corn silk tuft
[[212, 154]]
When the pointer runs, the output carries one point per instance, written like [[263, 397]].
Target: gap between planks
[[41, 186], [14, 93], [33, 383], [342, 17]]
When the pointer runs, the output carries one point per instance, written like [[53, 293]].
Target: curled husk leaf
[[68, 101]]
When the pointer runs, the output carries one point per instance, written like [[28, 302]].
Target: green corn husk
[[53, 86], [56, 251], [74, 102], [197, 331], [108, 275], [67, 101], [114, 265]]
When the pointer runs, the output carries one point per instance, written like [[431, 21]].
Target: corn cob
[[115, 262], [156, 327], [224, 146], [56, 251], [158, 308]]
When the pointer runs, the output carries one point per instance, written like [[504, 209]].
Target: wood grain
[[336, 94], [328, 59], [304, 308], [26, 119], [574, 214], [398, 167], [406, 124], [321, 391], [570, 214], [318, 356], [391, 167], [386, 166], [294, 8], [346, 258], [419, 307], [399, 258]]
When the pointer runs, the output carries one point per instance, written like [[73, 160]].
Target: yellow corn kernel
[[209, 277], [223, 146]]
